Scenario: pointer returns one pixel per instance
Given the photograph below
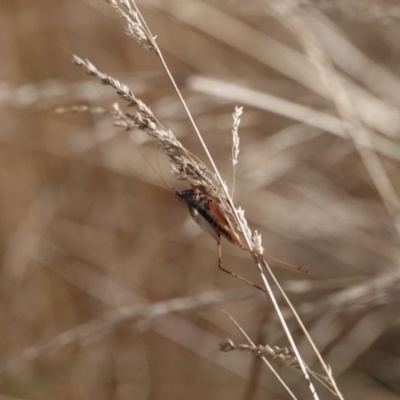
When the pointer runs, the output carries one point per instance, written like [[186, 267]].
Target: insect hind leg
[[235, 275]]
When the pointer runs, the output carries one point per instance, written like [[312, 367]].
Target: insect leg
[[235, 275]]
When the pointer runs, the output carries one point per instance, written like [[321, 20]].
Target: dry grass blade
[[133, 24], [226, 346], [284, 354], [235, 142]]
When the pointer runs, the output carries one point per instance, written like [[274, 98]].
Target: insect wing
[[225, 228], [218, 214]]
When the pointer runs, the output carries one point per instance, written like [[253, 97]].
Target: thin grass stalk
[[326, 368], [235, 143], [284, 354], [239, 220], [234, 210], [145, 120], [269, 365]]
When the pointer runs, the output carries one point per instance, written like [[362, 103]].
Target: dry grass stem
[[284, 354], [81, 109], [235, 134], [186, 164], [147, 123], [133, 25], [267, 363], [235, 142]]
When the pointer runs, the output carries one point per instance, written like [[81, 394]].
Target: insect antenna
[[158, 173], [262, 256], [297, 268]]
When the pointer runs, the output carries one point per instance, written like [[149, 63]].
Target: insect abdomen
[[208, 215], [221, 229]]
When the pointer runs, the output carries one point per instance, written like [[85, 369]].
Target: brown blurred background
[[87, 227]]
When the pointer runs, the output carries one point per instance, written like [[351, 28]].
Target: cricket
[[210, 217]]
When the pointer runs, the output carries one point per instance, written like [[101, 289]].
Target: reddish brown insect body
[[207, 213], [210, 217]]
